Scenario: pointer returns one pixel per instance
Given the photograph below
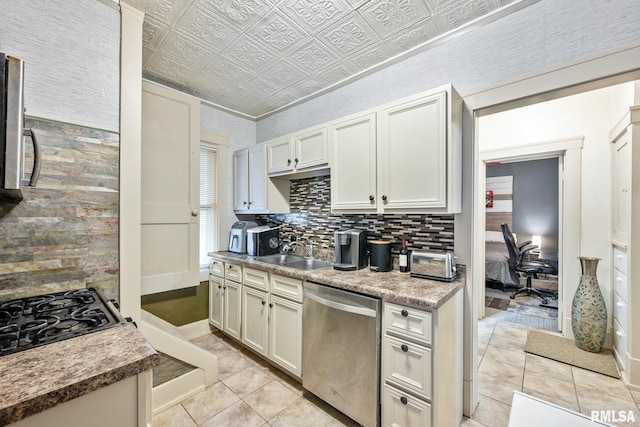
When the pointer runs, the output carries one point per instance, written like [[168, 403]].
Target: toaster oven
[[433, 265]]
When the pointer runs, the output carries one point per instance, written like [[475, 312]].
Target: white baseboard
[[195, 330]]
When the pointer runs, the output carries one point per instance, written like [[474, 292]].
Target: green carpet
[[565, 350]]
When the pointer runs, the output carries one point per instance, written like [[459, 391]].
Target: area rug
[[565, 350]]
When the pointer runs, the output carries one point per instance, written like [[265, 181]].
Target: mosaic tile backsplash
[[311, 221]]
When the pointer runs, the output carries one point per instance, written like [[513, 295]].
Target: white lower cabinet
[[403, 410], [255, 319], [285, 332], [263, 311], [216, 301], [421, 381], [232, 308]]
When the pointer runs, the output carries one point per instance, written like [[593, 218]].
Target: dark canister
[[380, 258]]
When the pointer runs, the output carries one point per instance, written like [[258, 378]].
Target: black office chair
[[517, 264]]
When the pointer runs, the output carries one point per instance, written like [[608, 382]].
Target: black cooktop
[[30, 322]]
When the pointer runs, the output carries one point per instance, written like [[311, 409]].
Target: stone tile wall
[[64, 234], [311, 220]]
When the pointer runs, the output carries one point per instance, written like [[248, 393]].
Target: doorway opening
[[522, 214]]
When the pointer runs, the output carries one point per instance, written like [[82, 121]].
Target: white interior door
[[170, 189]]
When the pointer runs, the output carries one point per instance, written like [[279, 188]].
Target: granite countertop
[[391, 286], [43, 377]]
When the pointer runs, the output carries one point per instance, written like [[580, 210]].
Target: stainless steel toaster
[[433, 265]]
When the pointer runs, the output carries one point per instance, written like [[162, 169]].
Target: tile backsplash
[[64, 234], [311, 220]]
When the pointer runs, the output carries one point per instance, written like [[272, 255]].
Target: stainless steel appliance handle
[[37, 157], [340, 306]]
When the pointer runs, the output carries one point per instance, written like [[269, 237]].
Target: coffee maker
[[351, 249]]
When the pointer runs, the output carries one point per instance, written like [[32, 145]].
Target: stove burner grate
[[30, 322]]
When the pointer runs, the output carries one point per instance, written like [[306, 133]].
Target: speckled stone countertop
[[43, 377], [390, 286]]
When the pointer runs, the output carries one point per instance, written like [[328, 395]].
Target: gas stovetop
[[30, 322]]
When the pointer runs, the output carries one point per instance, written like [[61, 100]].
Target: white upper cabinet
[[412, 154], [353, 172], [253, 190], [305, 151], [402, 157], [281, 154]]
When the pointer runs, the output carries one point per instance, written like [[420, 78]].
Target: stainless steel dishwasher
[[341, 351]]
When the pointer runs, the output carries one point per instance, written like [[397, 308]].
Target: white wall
[[541, 36], [71, 50], [592, 115], [241, 133]]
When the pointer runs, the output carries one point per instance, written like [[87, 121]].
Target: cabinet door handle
[[384, 197], [296, 160], [244, 203], [263, 302], [288, 162], [404, 313], [270, 305], [404, 347], [219, 286], [404, 400], [371, 198], [224, 287]]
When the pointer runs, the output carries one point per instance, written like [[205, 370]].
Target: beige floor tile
[[482, 348], [300, 413], [491, 412], [289, 382], [269, 400], [547, 368], [176, 416], [512, 357], [496, 388], [484, 336], [602, 400], [210, 402], [237, 415], [503, 371], [468, 422], [595, 381], [221, 349], [247, 381], [556, 387], [573, 406], [206, 341], [232, 364], [507, 341], [636, 395]]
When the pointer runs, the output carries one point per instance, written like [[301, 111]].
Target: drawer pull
[[404, 400], [404, 313], [404, 347]]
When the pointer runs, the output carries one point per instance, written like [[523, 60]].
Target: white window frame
[[221, 144]]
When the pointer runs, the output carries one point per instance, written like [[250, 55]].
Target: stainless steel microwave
[[12, 131]]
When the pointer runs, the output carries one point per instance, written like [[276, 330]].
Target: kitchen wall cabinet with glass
[[253, 191], [404, 156], [304, 152]]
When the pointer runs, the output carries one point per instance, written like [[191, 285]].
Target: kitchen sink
[[294, 261]]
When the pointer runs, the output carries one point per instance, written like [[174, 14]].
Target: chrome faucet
[[289, 248]]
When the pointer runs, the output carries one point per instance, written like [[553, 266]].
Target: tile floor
[[505, 367], [252, 393]]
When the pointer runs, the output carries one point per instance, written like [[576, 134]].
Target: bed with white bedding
[[496, 258]]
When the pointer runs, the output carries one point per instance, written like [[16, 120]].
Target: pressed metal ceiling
[[257, 56]]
